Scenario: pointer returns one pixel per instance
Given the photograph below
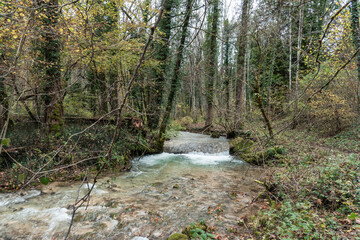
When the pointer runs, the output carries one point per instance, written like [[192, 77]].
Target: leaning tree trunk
[[175, 78], [356, 41]]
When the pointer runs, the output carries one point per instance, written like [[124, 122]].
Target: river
[[161, 195]]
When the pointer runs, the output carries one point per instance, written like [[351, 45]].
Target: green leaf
[[21, 177], [5, 142], [352, 216], [45, 180]]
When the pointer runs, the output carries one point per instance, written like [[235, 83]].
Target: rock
[[246, 150], [178, 236], [139, 238], [156, 234], [215, 134], [235, 134]]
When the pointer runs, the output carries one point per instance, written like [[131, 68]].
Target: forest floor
[[313, 192]]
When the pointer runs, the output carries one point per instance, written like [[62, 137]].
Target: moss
[[178, 236], [247, 151], [78, 218], [215, 134], [241, 145], [112, 204]]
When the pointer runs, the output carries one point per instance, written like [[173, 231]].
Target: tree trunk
[[298, 58], [259, 101], [242, 43], [211, 60], [51, 74], [227, 32], [356, 41], [162, 56], [4, 103], [290, 51], [176, 74]]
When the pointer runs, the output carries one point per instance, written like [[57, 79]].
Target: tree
[[210, 48], [227, 71], [162, 55], [356, 39], [298, 59], [242, 44], [4, 103], [49, 48], [176, 73]]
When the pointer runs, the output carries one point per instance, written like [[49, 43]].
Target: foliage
[[36, 149], [330, 113], [186, 121], [199, 231], [324, 205]]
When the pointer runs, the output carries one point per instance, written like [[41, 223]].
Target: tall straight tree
[[242, 43], [298, 59], [176, 74], [49, 64], [226, 37], [162, 55], [210, 49], [356, 39]]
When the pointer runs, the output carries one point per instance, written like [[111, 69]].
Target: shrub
[[186, 121], [330, 113]]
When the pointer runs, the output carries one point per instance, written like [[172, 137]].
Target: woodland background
[[90, 84]]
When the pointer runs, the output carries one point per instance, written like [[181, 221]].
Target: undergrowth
[[316, 194], [33, 150]]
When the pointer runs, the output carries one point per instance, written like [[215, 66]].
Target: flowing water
[[160, 195]]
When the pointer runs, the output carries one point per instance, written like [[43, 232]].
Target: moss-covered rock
[[247, 150], [215, 134], [241, 145], [178, 236], [235, 134]]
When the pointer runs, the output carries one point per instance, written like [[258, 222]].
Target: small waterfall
[[186, 142]]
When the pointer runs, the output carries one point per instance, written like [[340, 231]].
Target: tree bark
[[176, 74], [162, 56], [259, 101], [211, 61], [227, 32], [298, 58], [242, 43], [356, 41], [4, 103], [50, 47]]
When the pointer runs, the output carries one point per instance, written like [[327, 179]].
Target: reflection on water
[[160, 195]]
